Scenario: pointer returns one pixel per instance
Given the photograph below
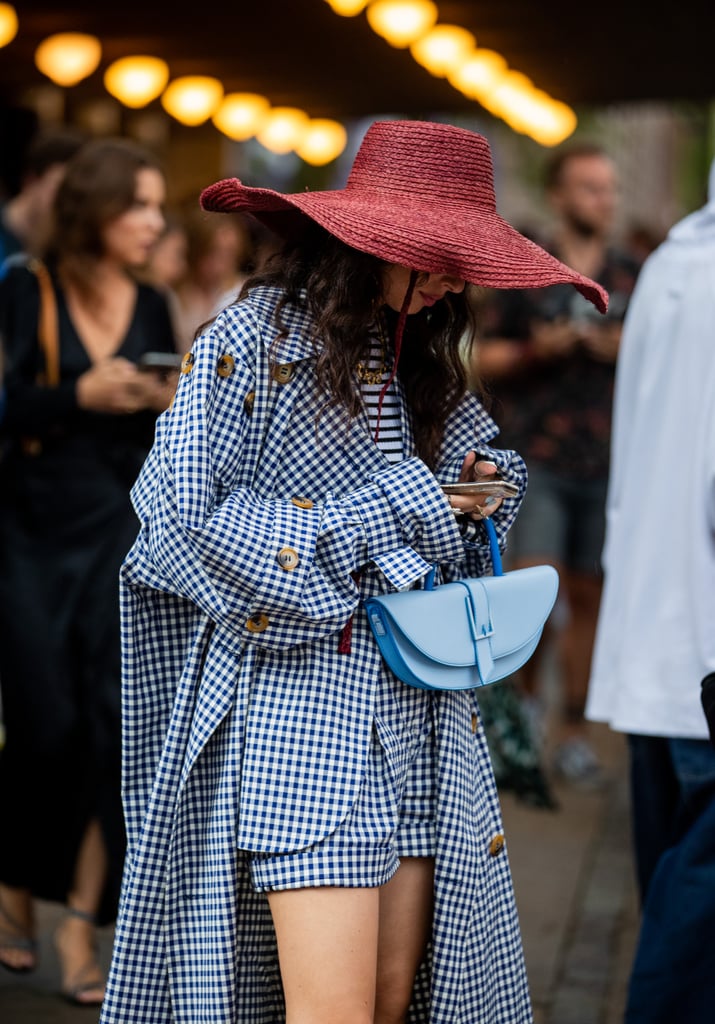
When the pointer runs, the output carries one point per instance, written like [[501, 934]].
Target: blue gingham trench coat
[[244, 728]]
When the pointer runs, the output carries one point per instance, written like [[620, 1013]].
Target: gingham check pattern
[[238, 740]]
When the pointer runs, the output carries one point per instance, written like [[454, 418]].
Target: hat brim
[[454, 238]]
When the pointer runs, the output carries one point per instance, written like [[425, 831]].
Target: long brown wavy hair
[[342, 289], [98, 186]]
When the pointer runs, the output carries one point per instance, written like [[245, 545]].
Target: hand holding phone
[[497, 487], [480, 490]]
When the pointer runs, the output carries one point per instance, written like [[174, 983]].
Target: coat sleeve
[[269, 571], [470, 428]]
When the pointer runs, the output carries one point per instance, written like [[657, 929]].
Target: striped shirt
[[389, 437]]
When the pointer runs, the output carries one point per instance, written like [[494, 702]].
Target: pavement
[[576, 894], [575, 891]]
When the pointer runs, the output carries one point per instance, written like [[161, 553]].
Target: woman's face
[[219, 264], [130, 237], [168, 262], [429, 288]]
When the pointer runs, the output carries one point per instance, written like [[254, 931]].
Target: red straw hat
[[420, 194]]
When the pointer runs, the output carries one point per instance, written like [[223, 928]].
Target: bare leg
[[17, 929], [327, 947], [406, 904], [75, 938]]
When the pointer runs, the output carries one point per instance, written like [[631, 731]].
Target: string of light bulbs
[[67, 58], [452, 52]]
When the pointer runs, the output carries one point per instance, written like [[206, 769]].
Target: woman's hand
[[476, 506], [117, 386], [158, 389]]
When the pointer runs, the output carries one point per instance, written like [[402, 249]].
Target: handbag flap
[[510, 610]]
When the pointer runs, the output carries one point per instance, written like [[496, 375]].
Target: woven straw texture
[[420, 194]]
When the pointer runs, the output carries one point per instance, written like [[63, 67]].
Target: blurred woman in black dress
[[76, 430]]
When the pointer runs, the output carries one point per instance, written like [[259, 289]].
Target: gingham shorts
[[392, 817]]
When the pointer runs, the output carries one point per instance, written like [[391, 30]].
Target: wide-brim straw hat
[[420, 194]]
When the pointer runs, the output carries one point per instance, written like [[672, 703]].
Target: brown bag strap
[[48, 333]]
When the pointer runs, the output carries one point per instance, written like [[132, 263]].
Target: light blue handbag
[[465, 634]]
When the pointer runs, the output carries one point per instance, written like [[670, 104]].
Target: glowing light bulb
[[401, 22], [192, 99], [8, 24], [283, 129], [68, 57], [323, 140], [443, 48], [347, 8], [241, 115], [477, 73], [136, 81]]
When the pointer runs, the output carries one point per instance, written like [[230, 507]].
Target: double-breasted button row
[[257, 623], [224, 367], [288, 559]]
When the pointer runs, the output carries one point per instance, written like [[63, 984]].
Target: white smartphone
[[499, 488]]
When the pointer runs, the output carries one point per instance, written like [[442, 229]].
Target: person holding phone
[[308, 838], [79, 421]]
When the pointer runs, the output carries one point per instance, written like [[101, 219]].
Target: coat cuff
[[402, 568]]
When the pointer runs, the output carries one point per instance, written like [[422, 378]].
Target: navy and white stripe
[[384, 419]]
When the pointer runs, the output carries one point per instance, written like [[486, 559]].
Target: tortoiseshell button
[[257, 623], [300, 502], [288, 559], [187, 363], [497, 845], [283, 372], [225, 366], [249, 402]]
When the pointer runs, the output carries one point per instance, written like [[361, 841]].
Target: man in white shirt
[[656, 631]]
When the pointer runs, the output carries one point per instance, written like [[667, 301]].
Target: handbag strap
[[47, 325], [48, 337], [494, 553], [494, 547]]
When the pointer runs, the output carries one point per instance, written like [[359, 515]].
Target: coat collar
[[295, 345]]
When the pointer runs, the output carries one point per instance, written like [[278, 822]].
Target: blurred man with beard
[[549, 364]]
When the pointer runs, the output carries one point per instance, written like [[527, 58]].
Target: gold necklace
[[374, 376]]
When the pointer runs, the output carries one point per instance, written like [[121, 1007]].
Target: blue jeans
[[673, 786]]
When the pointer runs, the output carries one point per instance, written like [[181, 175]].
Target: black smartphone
[[160, 362]]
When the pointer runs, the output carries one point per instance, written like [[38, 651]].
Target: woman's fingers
[[463, 504]]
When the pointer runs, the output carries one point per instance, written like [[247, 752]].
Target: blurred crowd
[[102, 290]]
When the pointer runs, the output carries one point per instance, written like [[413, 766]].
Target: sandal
[[15, 939], [79, 987]]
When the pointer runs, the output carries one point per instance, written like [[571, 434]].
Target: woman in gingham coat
[[288, 801]]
